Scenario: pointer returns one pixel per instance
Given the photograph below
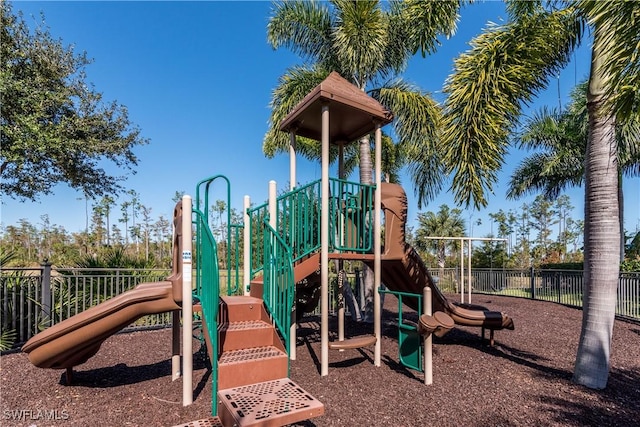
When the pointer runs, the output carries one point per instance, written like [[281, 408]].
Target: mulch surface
[[524, 380]]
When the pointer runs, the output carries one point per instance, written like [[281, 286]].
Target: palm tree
[[369, 46], [506, 66], [561, 140], [446, 222]]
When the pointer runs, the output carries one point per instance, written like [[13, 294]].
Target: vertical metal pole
[[187, 304], [462, 273], [175, 345], [532, 281], [247, 244], [428, 340], [273, 207], [469, 271], [324, 246], [341, 229], [45, 292], [292, 159], [292, 185], [376, 247]]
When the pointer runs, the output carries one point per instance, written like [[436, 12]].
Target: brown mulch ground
[[525, 380]]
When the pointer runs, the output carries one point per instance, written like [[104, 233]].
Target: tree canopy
[[56, 128]]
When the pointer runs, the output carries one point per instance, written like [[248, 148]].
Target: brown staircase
[[253, 384]]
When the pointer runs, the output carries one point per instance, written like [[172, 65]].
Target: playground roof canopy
[[352, 112]]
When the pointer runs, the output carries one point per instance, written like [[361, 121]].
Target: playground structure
[[250, 331]]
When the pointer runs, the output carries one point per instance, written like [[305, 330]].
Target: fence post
[[45, 291], [533, 282]]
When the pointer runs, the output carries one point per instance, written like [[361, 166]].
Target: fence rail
[[32, 299], [561, 286]]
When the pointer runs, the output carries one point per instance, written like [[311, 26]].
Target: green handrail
[[208, 291], [351, 216], [203, 195], [279, 287], [256, 231], [298, 220]]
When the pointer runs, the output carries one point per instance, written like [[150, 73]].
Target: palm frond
[[302, 26], [518, 9], [542, 130], [417, 120], [506, 66], [424, 22], [292, 87], [620, 21], [360, 38]]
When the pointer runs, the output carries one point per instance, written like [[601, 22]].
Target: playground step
[[239, 308], [251, 365], [205, 422], [271, 403], [246, 334]]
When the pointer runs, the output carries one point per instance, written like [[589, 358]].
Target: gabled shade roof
[[352, 113]]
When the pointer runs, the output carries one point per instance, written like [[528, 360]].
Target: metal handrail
[[208, 290], [279, 287]]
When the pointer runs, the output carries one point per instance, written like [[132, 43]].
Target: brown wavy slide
[[403, 269], [76, 339]]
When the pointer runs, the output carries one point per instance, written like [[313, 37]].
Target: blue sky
[[197, 77]]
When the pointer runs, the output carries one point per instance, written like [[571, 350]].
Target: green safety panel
[[410, 347]]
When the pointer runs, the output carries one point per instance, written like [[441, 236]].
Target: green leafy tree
[[98, 228], [56, 128], [506, 66], [489, 254], [633, 251]]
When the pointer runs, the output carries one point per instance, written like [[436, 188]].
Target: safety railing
[[279, 287], [203, 190], [409, 340], [298, 220], [257, 216], [207, 290], [351, 216]]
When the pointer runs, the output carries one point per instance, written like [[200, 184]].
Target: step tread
[[240, 300], [248, 354], [204, 422], [245, 325], [275, 402]]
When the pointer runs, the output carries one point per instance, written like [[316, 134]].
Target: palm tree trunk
[[602, 234], [366, 177], [366, 167]]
